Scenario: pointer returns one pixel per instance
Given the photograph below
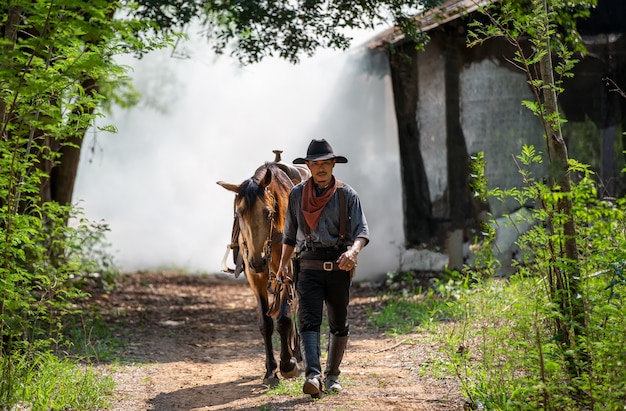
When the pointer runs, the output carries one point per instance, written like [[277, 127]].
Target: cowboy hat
[[319, 150]]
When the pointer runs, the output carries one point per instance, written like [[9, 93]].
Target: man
[[326, 228]]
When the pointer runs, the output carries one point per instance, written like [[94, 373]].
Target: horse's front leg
[[266, 326], [289, 343], [258, 284]]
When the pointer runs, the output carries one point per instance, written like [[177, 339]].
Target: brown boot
[[336, 348]]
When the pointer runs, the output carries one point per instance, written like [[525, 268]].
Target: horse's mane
[[251, 190]]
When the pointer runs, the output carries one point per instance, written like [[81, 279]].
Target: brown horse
[[260, 208]]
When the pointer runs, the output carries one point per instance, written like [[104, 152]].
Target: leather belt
[[324, 254], [319, 265]]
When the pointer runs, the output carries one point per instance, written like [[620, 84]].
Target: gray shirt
[[327, 232]]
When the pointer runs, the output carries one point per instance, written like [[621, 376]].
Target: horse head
[[260, 205]]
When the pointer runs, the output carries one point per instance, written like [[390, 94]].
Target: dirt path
[[192, 343]]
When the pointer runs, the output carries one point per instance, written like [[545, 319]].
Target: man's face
[[321, 171]]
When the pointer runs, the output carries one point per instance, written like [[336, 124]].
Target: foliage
[[44, 382], [546, 55], [515, 359], [255, 29], [507, 358], [502, 342], [519, 19], [537, 30], [53, 54], [42, 268], [43, 67]]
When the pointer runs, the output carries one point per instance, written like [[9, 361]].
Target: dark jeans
[[315, 288]]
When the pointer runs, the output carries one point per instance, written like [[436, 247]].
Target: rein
[[273, 235]]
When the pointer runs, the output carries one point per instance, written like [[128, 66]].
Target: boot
[[336, 348], [311, 353]]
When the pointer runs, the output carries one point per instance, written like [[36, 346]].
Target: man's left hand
[[347, 260]]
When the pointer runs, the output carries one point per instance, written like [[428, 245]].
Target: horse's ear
[[267, 179], [229, 186]]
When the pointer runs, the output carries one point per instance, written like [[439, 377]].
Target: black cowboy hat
[[319, 150]]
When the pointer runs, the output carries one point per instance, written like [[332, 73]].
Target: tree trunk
[[63, 175], [10, 34], [567, 281]]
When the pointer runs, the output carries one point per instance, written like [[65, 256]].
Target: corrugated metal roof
[[448, 11]]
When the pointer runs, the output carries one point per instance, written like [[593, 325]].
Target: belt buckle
[[328, 266]]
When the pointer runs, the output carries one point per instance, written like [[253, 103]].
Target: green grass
[[402, 313], [62, 380], [93, 338], [42, 381], [291, 387]]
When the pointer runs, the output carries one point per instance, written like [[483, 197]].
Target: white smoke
[[205, 119]]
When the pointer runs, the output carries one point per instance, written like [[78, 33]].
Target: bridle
[[274, 235]]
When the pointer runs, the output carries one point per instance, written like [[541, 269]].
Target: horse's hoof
[[271, 381], [291, 370]]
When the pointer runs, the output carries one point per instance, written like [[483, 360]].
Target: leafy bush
[[57, 74], [509, 352], [44, 265], [503, 342]]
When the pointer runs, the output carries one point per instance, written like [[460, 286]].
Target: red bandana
[[313, 205]]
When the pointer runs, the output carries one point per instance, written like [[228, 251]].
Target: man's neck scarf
[[312, 205]]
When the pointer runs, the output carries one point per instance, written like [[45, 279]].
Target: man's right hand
[[284, 273]]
